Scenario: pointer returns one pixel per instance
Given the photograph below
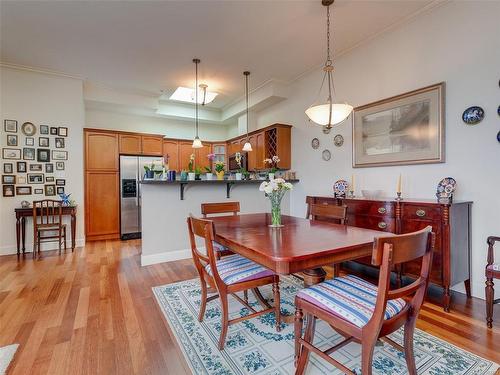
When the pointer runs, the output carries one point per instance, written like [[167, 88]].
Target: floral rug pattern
[[254, 346]]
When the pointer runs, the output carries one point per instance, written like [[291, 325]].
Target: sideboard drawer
[[371, 208], [372, 222], [411, 211]]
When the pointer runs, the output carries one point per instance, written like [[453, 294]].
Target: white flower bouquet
[[275, 190]]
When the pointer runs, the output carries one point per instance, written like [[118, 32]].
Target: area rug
[[254, 346], [6, 356]]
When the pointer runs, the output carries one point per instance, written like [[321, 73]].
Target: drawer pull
[[420, 213], [382, 225], [382, 210]]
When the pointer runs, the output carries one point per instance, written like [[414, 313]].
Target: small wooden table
[[23, 213]]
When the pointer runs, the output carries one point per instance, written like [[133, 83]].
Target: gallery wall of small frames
[[33, 159]]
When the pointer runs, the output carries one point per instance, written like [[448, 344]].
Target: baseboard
[[167, 256], [12, 249]]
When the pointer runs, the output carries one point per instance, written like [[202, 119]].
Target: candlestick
[[399, 198], [352, 183], [398, 186]]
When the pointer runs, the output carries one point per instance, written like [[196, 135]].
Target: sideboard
[[451, 223]]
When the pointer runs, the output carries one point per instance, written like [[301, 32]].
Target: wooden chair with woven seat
[[363, 312], [229, 275], [208, 209], [47, 224], [492, 272]]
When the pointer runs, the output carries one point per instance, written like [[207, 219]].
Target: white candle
[[352, 183], [398, 186]]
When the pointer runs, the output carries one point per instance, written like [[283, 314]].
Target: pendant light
[[247, 147], [196, 142], [329, 113]]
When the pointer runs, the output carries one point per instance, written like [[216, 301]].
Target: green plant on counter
[[208, 170], [220, 166], [191, 163], [197, 171]]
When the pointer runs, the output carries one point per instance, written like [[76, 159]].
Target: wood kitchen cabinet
[[130, 144], [260, 151], [152, 145], [101, 150], [185, 151], [171, 151], [201, 156]]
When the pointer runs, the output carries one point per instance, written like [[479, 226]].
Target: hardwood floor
[[93, 312]]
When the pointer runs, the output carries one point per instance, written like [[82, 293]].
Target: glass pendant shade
[[320, 114], [197, 143], [247, 147]]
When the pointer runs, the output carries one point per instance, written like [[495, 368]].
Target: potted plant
[[208, 170], [219, 169], [191, 173], [197, 173], [149, 171], [275, 190], [239, 174], [273, 163]]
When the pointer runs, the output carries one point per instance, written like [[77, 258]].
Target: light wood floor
[[93, 312]]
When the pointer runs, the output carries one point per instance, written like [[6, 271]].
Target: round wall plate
[[338, 140], [473, 115], [315, 143], [326, 155], [28, 129], [498, 136]]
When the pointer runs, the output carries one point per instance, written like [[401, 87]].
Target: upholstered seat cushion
[[494, 267], [219, 247], [493, 271], [236, 269], [350, 298]]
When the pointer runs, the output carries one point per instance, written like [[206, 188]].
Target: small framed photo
[[8, 190], [50, 190], [29, 141], [28, 153], [60, 182], [59, 166], [43, 142], [49, 178], [36, 167], [60, 190], [35, 178], [8, 179], [21, 167], [10, 126], [38, 191], [23, 190], [59, 155], [53, 130], [8, 168], [49, 168], [11, 153], [43, 155], [11, 140], [59, 142], [62, 131], [44, 129], [21, 180]]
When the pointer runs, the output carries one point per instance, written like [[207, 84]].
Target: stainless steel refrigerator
[[131, 174]]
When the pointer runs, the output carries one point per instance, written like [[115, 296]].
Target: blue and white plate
[[340, 187], [498, 136], [446, 187], [473, 115]]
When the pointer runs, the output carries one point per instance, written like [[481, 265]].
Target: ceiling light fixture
[[187, 94], [247, 147], [329, 113], [196, 141]]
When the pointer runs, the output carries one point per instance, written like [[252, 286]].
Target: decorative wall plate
[[315, 143], [446, 187], [326, 130], [498, 110], [473, 115], [28, 129], [338, 140], [340, 187], [326, 155], [498, 136]]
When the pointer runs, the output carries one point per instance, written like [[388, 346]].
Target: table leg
[[18, 235], [23, 233], [73, 230], [314, 276]]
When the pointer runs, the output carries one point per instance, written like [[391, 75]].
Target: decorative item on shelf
[[191, 173], [473, 115], [209, 175], [326, 155], [28, 129], [25, 204], [196, 141], [338, 140], [171, 175], [340, 188], [398, 188], [290, 175], [219, 170], [352, 187], [275, 190], [445, 189], [149, 171], [241, 170], [65, 199], [273, 164], [315, 143], [184, 175], [197, 173]]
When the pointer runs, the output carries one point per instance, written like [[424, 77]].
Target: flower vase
[[220, 175], [271, 176], [239, 176], [275, 212], [209, 176], [191, 176]]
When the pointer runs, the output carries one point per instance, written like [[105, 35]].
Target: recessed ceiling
[[149, 45]]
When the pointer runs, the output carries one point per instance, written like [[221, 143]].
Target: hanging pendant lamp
[[197, 141], [329, 113], [247, 147]]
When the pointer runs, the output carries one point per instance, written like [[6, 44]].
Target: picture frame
[[10, 126], [36, 167], [44, 142], [21, 167], [38, 191], [8, 191], [43, 155], [62, 131], [401, 130], [35, 178], [28, 129], [29, 141], [21, 180], [44, 129], [11, 140], [59, 155], [28, 153], [49, 168], [59, 166], [23, 190], [59, 190], [53, 130], [60, 182], [50, 190], [59, 142], [49, 178], [8, 168], [8, 179], [11, 153]]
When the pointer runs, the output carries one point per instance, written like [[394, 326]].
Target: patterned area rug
[[254, 346], [6, 356]]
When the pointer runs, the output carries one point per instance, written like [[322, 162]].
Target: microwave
[[233, 165]]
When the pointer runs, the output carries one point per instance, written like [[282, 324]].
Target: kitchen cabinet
[[171, 151], [152, 145], [201, 156], [130, 144], [185, 151], [101, 151]]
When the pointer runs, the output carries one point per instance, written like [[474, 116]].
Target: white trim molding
[[167, 256], [12, 249]]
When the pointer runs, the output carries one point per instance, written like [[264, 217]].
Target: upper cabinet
[[101, 150], [152, 145], [201, 156], [185, 151], [137, 144], [171, 153], [130, 144]]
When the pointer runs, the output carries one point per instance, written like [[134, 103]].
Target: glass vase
[[276, 212]]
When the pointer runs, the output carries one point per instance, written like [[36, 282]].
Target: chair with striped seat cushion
[[350, 298], [208, 209], [236, 269], [492, 272], [219, 247], [494, 267]]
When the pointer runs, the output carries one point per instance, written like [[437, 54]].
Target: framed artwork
[[21, 180], [62, 131], [44, 129], [60, 182], [28, 129], [8, 168], [43, 155], [404, 129], [11, 140], [23, 190], [59, 166], [10, 126], [50, 190], [8, 190], [21, 167], [53, 130], [29, 141], [36, 167], [11, 153], [35, 178], [49, 168], [8, 179], [43, 142], [60, 190], [28, 153], [38, 191], [59, 142], [59, 155], [49, 178]]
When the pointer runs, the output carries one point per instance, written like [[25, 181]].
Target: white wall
[[456, 43], [49, 100]]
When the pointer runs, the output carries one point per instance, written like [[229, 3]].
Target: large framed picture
[[405, 129]]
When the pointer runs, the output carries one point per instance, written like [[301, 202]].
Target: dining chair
[[492, 272], [230, 275], [362, 312], [217, 209], [47, 224]]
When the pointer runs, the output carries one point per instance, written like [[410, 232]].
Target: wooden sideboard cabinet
[[451, 224]]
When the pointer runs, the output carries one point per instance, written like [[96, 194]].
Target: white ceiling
[[149, 45]]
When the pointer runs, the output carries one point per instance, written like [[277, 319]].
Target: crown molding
[[33, 69]]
